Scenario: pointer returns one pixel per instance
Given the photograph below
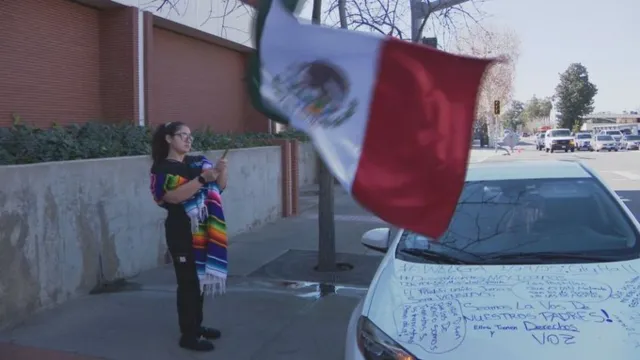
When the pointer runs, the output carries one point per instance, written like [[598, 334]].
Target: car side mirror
[[377, 239]]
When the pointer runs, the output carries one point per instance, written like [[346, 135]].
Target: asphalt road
[[620, 170]]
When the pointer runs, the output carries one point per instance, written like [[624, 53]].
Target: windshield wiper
[[435, 257], [552, 256]]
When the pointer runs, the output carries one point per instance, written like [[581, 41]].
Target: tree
[[537, 108], [391, 17], [512, 118], [498, 82], [574, 96], [537, 112]]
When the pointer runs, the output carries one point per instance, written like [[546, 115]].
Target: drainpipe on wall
[[141, 62]]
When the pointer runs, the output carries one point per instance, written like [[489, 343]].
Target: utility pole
[[326, 224], [421, 9]]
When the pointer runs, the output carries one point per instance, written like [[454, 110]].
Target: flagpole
[[326, 224]]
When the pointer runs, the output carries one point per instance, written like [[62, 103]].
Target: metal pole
[[326, 225], [416, 19]]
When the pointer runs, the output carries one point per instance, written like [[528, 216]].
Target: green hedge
[[24, 144]]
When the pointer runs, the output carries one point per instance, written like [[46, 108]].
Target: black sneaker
[[210, 333], [196, 344]]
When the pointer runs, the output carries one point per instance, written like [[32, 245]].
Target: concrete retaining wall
[[66, 227], [308, 169]]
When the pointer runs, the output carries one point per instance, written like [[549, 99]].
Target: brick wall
[[196, 82], [119, 64], [70, 63], [49, 62]]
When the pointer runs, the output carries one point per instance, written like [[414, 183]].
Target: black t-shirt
[[167, 175]]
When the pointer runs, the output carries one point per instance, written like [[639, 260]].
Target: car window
[[613, 132], [534, 215], [558, 133], [605, 137], [584, 136], [633, 137]]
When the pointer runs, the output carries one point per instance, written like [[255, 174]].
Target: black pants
[[190, 298]]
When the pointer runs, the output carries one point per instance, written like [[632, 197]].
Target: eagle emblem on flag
[[318, 90]]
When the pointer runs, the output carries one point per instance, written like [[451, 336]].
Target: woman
[[189, 188]]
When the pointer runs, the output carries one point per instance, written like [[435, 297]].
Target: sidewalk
[[262, 316], [276, 307]]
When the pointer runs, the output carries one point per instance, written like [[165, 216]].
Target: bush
[[24, 144]]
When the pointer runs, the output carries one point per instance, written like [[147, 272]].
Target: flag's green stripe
[[253, 65]]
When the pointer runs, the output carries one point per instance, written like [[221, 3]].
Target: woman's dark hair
[[159, 144]]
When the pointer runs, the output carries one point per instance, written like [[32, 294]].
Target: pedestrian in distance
[[189, 188]]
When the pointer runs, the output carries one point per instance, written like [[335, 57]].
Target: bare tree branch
[[392, 17], [216, 10], [498, 83]]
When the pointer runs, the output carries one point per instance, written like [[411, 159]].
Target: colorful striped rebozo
[[208, 228]]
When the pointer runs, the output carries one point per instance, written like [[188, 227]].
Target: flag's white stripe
[[285, 42]]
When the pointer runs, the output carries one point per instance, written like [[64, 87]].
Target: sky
[[603, 35]]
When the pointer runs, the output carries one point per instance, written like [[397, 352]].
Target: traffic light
[[496, 107]]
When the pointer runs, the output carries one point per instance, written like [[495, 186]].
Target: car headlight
[[374, 344]]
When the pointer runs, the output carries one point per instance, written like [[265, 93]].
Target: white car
[[584, 141], [559, 139], [540, 261], [616, 134], [605, 143]]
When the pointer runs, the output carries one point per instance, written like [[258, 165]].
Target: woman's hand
[[221, 165], [210, 175]]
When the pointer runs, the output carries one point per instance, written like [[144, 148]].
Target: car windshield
[[543, 135], [613, 132], [584, 136], [605, 137], [563, 216], [633, 137], [556, 133]]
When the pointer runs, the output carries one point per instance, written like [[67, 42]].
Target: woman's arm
[[222, 179], [183, 192], [221, 167], [172, 189]]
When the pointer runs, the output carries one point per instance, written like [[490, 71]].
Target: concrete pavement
[[261, 318], [265, 315]]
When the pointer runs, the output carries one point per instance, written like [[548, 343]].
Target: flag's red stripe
[[418, 137]]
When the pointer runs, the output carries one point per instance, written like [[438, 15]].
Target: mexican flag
[[391, 119]]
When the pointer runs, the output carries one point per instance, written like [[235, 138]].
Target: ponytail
[[159, 144]]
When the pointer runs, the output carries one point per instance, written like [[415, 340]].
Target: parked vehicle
[[535, 254], [540, 140], [584, 141], [630, 142], [616, 134], [559, 139], [605, 143]]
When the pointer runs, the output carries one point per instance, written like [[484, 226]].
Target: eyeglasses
[[184, 136]]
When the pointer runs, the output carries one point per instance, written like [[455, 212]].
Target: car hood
[[551, 312]]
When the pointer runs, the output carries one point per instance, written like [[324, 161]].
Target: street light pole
[[326, 224], [421, 10]]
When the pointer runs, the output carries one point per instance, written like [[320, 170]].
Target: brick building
[[69, 62]]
